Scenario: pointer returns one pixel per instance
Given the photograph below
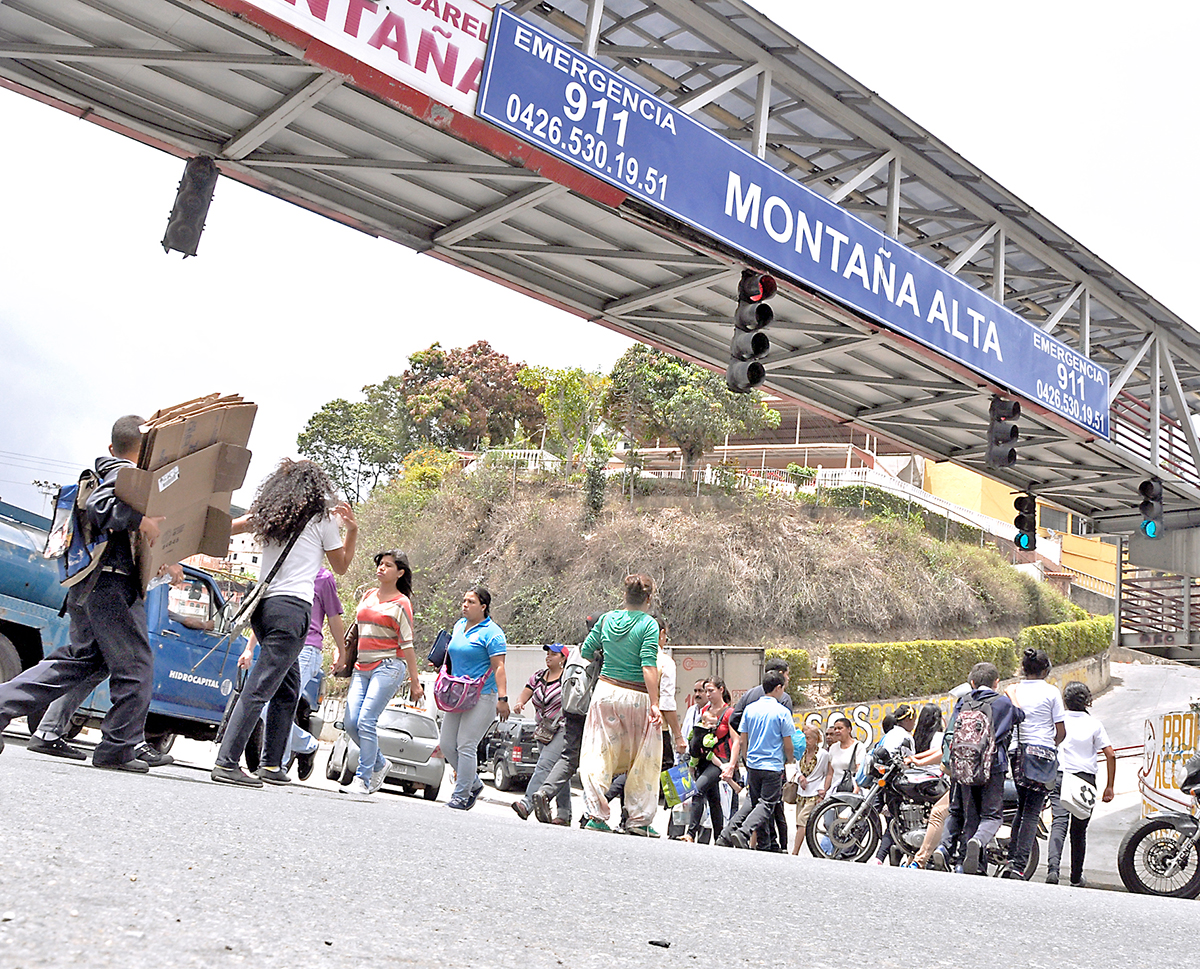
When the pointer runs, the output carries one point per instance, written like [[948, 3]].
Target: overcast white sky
[[1085, 111]]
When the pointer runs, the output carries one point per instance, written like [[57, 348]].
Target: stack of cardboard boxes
[[193, 458]]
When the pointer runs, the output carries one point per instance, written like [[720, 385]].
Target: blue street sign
[[536, 87]]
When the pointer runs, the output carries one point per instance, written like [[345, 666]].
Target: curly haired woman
[[294, 500]]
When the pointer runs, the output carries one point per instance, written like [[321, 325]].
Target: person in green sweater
[[623, 731]]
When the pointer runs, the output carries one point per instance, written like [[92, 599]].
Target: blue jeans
[[280, 623], [461, 733], [370, 691], [549, 756]]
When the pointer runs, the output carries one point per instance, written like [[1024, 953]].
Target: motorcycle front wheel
[[1147, 854], [829, 834]]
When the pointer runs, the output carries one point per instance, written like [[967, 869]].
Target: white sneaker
[[356, 786], [377, 778]]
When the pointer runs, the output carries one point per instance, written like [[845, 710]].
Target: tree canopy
[[572, 402], [654, 394], [468, 398], [459, 398]]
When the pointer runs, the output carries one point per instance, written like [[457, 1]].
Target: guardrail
[[1090, 582]]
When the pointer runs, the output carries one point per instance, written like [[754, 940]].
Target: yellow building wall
[[1090, 556], [952, 483], [964, 487]]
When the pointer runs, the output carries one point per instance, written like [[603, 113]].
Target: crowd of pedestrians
[[745, 758]]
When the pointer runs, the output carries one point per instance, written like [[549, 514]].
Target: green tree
[[654, 394], [572, 402], [467, 398], [352, 445]]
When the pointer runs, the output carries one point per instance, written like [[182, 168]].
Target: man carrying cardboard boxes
[[108, 621]]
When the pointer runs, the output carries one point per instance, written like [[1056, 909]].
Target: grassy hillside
[[731, 570]]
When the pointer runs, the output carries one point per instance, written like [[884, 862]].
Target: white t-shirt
[[299, 570], [666, 683], [1085, 738], [840, 758], [1043, 708]]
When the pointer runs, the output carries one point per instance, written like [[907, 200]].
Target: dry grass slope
[[753, 571]]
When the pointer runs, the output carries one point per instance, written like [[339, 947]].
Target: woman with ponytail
[[1044, 727], [622, 734]]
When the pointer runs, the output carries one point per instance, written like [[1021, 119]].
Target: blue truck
[[194, 668]]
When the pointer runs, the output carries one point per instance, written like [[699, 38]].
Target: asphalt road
[[169, 869]]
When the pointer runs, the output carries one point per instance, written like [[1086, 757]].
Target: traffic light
[[1151, 507], [1026, 522], [750, 344], [191, 206], [1002, 433]]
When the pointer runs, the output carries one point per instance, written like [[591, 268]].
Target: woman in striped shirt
[[545, 690], [385, 645]]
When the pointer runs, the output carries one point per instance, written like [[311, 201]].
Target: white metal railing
[[871, 478], [530, 459], [1090, 582]]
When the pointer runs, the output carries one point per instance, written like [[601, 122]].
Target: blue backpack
[[73, 540]]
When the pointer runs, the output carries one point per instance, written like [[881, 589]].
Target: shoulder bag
[[1034, 765], [349, 654], [241, 619], [846, 784], [1077, 795], [457, 694]]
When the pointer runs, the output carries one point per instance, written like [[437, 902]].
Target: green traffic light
[[1024, 541], [1150, 529]]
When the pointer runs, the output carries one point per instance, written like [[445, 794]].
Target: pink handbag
[[455, 694]]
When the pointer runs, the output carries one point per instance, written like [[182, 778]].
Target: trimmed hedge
[[877, 671], [1066, 642], [799, 671]]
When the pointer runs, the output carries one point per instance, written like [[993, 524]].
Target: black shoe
[[304, 765], [937, 860], [541, 807], [739, 840], [153, 757], [971, 858], [134, 766], [234, 775], [55, 748], [273, 775]]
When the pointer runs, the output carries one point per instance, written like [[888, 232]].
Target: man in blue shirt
[[766, 734]]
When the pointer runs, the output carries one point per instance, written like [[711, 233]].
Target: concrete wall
[[1094, 602]]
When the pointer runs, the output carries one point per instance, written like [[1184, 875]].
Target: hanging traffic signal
[[1026, 522], [191, 206], [1151, 507], [1002, 433], [750, 345]]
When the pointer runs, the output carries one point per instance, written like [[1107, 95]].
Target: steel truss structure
[[218, 77]]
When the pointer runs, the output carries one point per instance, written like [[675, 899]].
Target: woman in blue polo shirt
[[476, 649]]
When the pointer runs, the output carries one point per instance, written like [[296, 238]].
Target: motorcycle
[[1161, 856], [849, 827]]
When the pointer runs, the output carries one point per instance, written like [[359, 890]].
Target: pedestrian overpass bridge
[[369, 115]]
